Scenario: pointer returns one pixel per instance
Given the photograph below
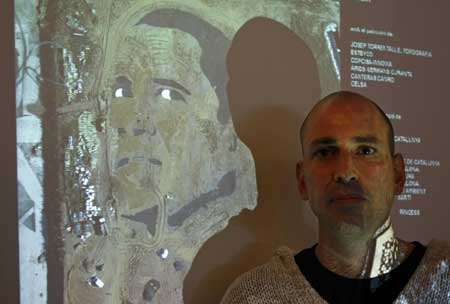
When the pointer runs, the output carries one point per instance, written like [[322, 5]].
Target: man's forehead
[[344, 117], [344, 103]]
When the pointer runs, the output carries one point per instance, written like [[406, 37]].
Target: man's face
[[348, 173]]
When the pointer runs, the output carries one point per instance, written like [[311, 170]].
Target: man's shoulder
[[437, 259], [280, 265], [261, 279], [437, 255], [275, 281], [431, 280]]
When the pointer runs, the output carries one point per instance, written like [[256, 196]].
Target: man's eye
[[170, 94], [366, 150], [324, 153]]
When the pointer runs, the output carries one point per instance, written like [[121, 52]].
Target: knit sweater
[[280, 281]]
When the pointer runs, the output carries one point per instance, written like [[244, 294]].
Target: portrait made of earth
[[152, 166]]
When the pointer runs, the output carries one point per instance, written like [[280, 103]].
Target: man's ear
[[399, 173], [301, 185]]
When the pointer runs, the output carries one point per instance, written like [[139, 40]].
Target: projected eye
[[171, 90], [122, 87], [119, 92], [170, 94]]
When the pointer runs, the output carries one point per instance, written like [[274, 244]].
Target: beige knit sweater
[[280, 281]]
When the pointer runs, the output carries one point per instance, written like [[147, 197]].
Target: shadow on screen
[[273, 81]]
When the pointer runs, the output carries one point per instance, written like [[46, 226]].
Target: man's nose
[[345, 171]]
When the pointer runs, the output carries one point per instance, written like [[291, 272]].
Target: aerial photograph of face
[[172, 158]]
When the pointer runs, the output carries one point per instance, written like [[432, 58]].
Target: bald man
[[350, 175]]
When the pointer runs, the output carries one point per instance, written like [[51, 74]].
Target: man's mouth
[[347, 198]]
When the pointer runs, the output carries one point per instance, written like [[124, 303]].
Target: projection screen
[[157, 140]]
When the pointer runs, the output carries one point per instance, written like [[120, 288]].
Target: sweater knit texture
[[280, 281]]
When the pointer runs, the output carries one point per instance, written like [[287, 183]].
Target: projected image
[[177, 172], [129, 157]]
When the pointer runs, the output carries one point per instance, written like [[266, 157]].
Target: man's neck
[[363, 256]]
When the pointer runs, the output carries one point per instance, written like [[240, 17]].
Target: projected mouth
[[225, 187]]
